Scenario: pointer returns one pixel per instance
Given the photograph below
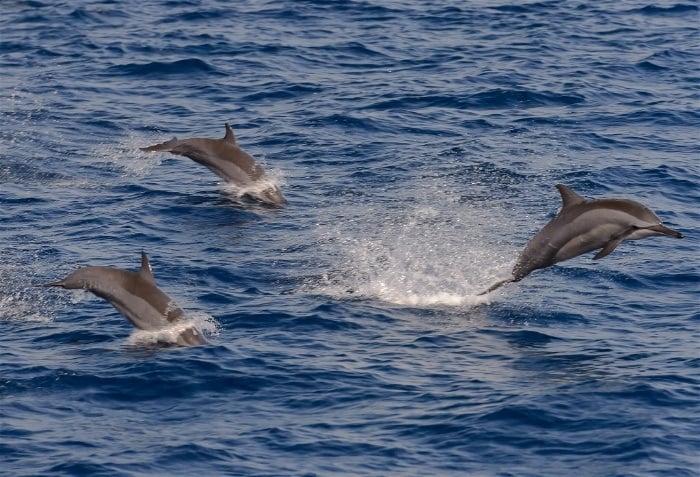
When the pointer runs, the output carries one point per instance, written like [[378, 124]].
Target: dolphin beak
[[52, 284], [662, 229]]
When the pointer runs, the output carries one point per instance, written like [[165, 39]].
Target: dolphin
[[584, 225], [225, 158], [136, 296]]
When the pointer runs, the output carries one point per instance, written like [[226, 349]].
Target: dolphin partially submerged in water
[[225, 158], [136, 296], [584, 225]]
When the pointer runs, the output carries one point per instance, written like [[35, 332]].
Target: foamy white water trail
[[255, 189], [203, 322], [424, 257]]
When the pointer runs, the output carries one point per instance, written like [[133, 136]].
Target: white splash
[[22, 306], [126, 155], [274, 178], [19, 300], [201, 321], [254, 189], [426, 258]]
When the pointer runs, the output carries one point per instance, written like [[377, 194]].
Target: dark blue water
[[418, 144]]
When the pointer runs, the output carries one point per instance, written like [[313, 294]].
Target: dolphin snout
[[662, 229], [52, 284]]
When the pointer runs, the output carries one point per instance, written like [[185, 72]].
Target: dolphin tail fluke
[[165, 146], [496, 286]]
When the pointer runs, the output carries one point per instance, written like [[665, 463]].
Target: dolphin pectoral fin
[[615, 240], [495, 286], [609, 247]]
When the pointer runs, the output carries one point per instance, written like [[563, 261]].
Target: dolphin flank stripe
[[581, 226]]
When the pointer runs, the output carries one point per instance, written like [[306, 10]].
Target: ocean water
[[418, 144]]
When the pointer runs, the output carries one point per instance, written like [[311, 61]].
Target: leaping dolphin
[[136, 296], [225, 158], [584, 225]]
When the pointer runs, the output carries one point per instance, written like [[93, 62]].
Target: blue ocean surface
[[418, 144]]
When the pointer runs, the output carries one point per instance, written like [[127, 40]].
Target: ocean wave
[[677, 9], [185, 67], [493, 99]]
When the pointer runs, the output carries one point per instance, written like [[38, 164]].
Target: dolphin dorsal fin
[[569, 198], [229, 137], [146, 272]]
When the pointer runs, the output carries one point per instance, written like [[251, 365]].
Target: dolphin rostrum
[[584, 225], [136, 296], [225, 158]]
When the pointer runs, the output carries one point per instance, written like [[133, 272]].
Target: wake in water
[[427, 257]]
